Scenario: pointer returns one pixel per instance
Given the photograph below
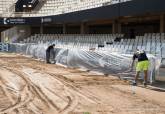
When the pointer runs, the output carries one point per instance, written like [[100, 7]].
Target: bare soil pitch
[[28, 86]]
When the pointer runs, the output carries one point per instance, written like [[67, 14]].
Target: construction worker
[[142, 65], [48, 51]]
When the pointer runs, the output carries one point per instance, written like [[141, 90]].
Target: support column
[[119, 27], [82, 28], [162, 23], [41, 29], [116, 27], [64, 28]]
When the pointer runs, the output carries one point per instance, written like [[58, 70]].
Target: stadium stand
[[51, 7], [152, 43], [6, 7]]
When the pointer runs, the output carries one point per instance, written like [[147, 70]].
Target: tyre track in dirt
[[73, 92], [32, 89], [71, 96], [76, 91], [68, 83], [90, 96], [18, 103], [36, 90]]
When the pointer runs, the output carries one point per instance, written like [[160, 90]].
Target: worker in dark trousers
[[49, 51]]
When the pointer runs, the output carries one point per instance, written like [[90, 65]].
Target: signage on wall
[[46, 20], [14, 21]]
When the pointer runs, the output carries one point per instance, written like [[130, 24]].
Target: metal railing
[[4, 47]]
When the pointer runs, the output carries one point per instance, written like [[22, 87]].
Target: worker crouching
[[50, 53]]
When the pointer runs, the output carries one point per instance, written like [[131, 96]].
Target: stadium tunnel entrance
[[2, 28]]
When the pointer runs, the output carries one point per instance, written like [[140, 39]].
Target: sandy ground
[[28, 86]]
